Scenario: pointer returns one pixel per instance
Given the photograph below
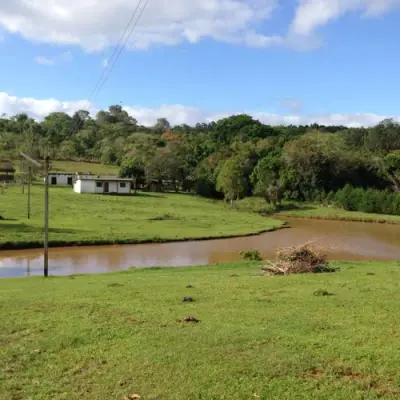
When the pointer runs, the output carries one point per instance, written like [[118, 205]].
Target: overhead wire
[[116, 54]]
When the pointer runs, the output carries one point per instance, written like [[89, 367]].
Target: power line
[[121, 48], [116, 49]]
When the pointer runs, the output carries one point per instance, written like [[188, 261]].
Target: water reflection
[[342, 241]]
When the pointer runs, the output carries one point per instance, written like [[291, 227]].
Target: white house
[[101, 184], [61, 178]]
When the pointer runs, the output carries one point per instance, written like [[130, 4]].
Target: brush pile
[[298, 260]]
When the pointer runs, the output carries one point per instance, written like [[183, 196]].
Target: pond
[[341, 241]]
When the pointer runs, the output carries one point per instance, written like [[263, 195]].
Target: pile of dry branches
[[298, 260]]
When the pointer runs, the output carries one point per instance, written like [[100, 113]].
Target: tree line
[[234, 157]]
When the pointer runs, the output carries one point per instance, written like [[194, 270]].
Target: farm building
[[7, 171], [61, 178], [101, 184]]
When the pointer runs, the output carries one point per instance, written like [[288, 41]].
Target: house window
[[122, 185], [54, 180], [99, 184]]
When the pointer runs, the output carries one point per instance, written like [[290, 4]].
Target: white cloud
[[350, 120], [311, 14], [95, 25], [38, 109], [180, 114], [44, 60], [64, 57]]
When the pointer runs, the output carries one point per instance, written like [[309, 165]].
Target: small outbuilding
[[101, 184], [61, 178], [7, 171]]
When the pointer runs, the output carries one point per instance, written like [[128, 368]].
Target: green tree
[[266, 179], [389, 167], [384, 137], [231, 180], [239, 127], [161, 126], [132, 167]]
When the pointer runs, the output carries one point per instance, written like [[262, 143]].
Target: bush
[[251, 255], [330, 199], [369, 201]]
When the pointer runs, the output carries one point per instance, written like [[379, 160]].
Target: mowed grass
[[323, 212], [97, 219], [107, 336], [310, 210], [75, 166]]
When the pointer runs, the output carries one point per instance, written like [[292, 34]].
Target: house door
[[54, 180], [105, 187], [70, 180]]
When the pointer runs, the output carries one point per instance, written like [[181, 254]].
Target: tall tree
[[161, 126], [266, 179], [390, 169], [231, 180]]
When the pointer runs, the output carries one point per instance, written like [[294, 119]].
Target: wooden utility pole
[[46, 216], [29, 191], [46, 208], [22, 171]]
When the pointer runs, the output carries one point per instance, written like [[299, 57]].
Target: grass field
[[107, 336], [75, 166], [100, 219], [309, 210], [322, 212]]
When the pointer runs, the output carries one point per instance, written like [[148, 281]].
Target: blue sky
[[282, 61]]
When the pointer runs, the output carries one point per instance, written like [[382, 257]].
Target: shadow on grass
[[293, 207], [147, 194], [29, 228]]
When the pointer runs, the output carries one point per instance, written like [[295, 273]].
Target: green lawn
[[78, 166], [107, 336], [75, 166], [323, 212], [309, 210], [96, 219]]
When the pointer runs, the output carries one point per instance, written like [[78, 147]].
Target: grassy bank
[[78, 166], [75, 166], [104, 337], [333, 213], [101, 219], [309, 210]]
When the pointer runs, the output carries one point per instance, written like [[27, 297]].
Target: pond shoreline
[[92, 243], [348, 241], [338, 218]]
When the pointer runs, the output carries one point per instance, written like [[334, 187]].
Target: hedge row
[[369, 200]]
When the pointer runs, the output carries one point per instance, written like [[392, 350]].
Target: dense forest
[[233, 157]]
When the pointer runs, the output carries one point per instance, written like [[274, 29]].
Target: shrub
[[251, 255], [330, 199], [369, 201]]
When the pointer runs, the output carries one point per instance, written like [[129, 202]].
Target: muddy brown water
[[341, 240]]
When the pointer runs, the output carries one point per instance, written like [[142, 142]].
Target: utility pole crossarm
[[31, 160]]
